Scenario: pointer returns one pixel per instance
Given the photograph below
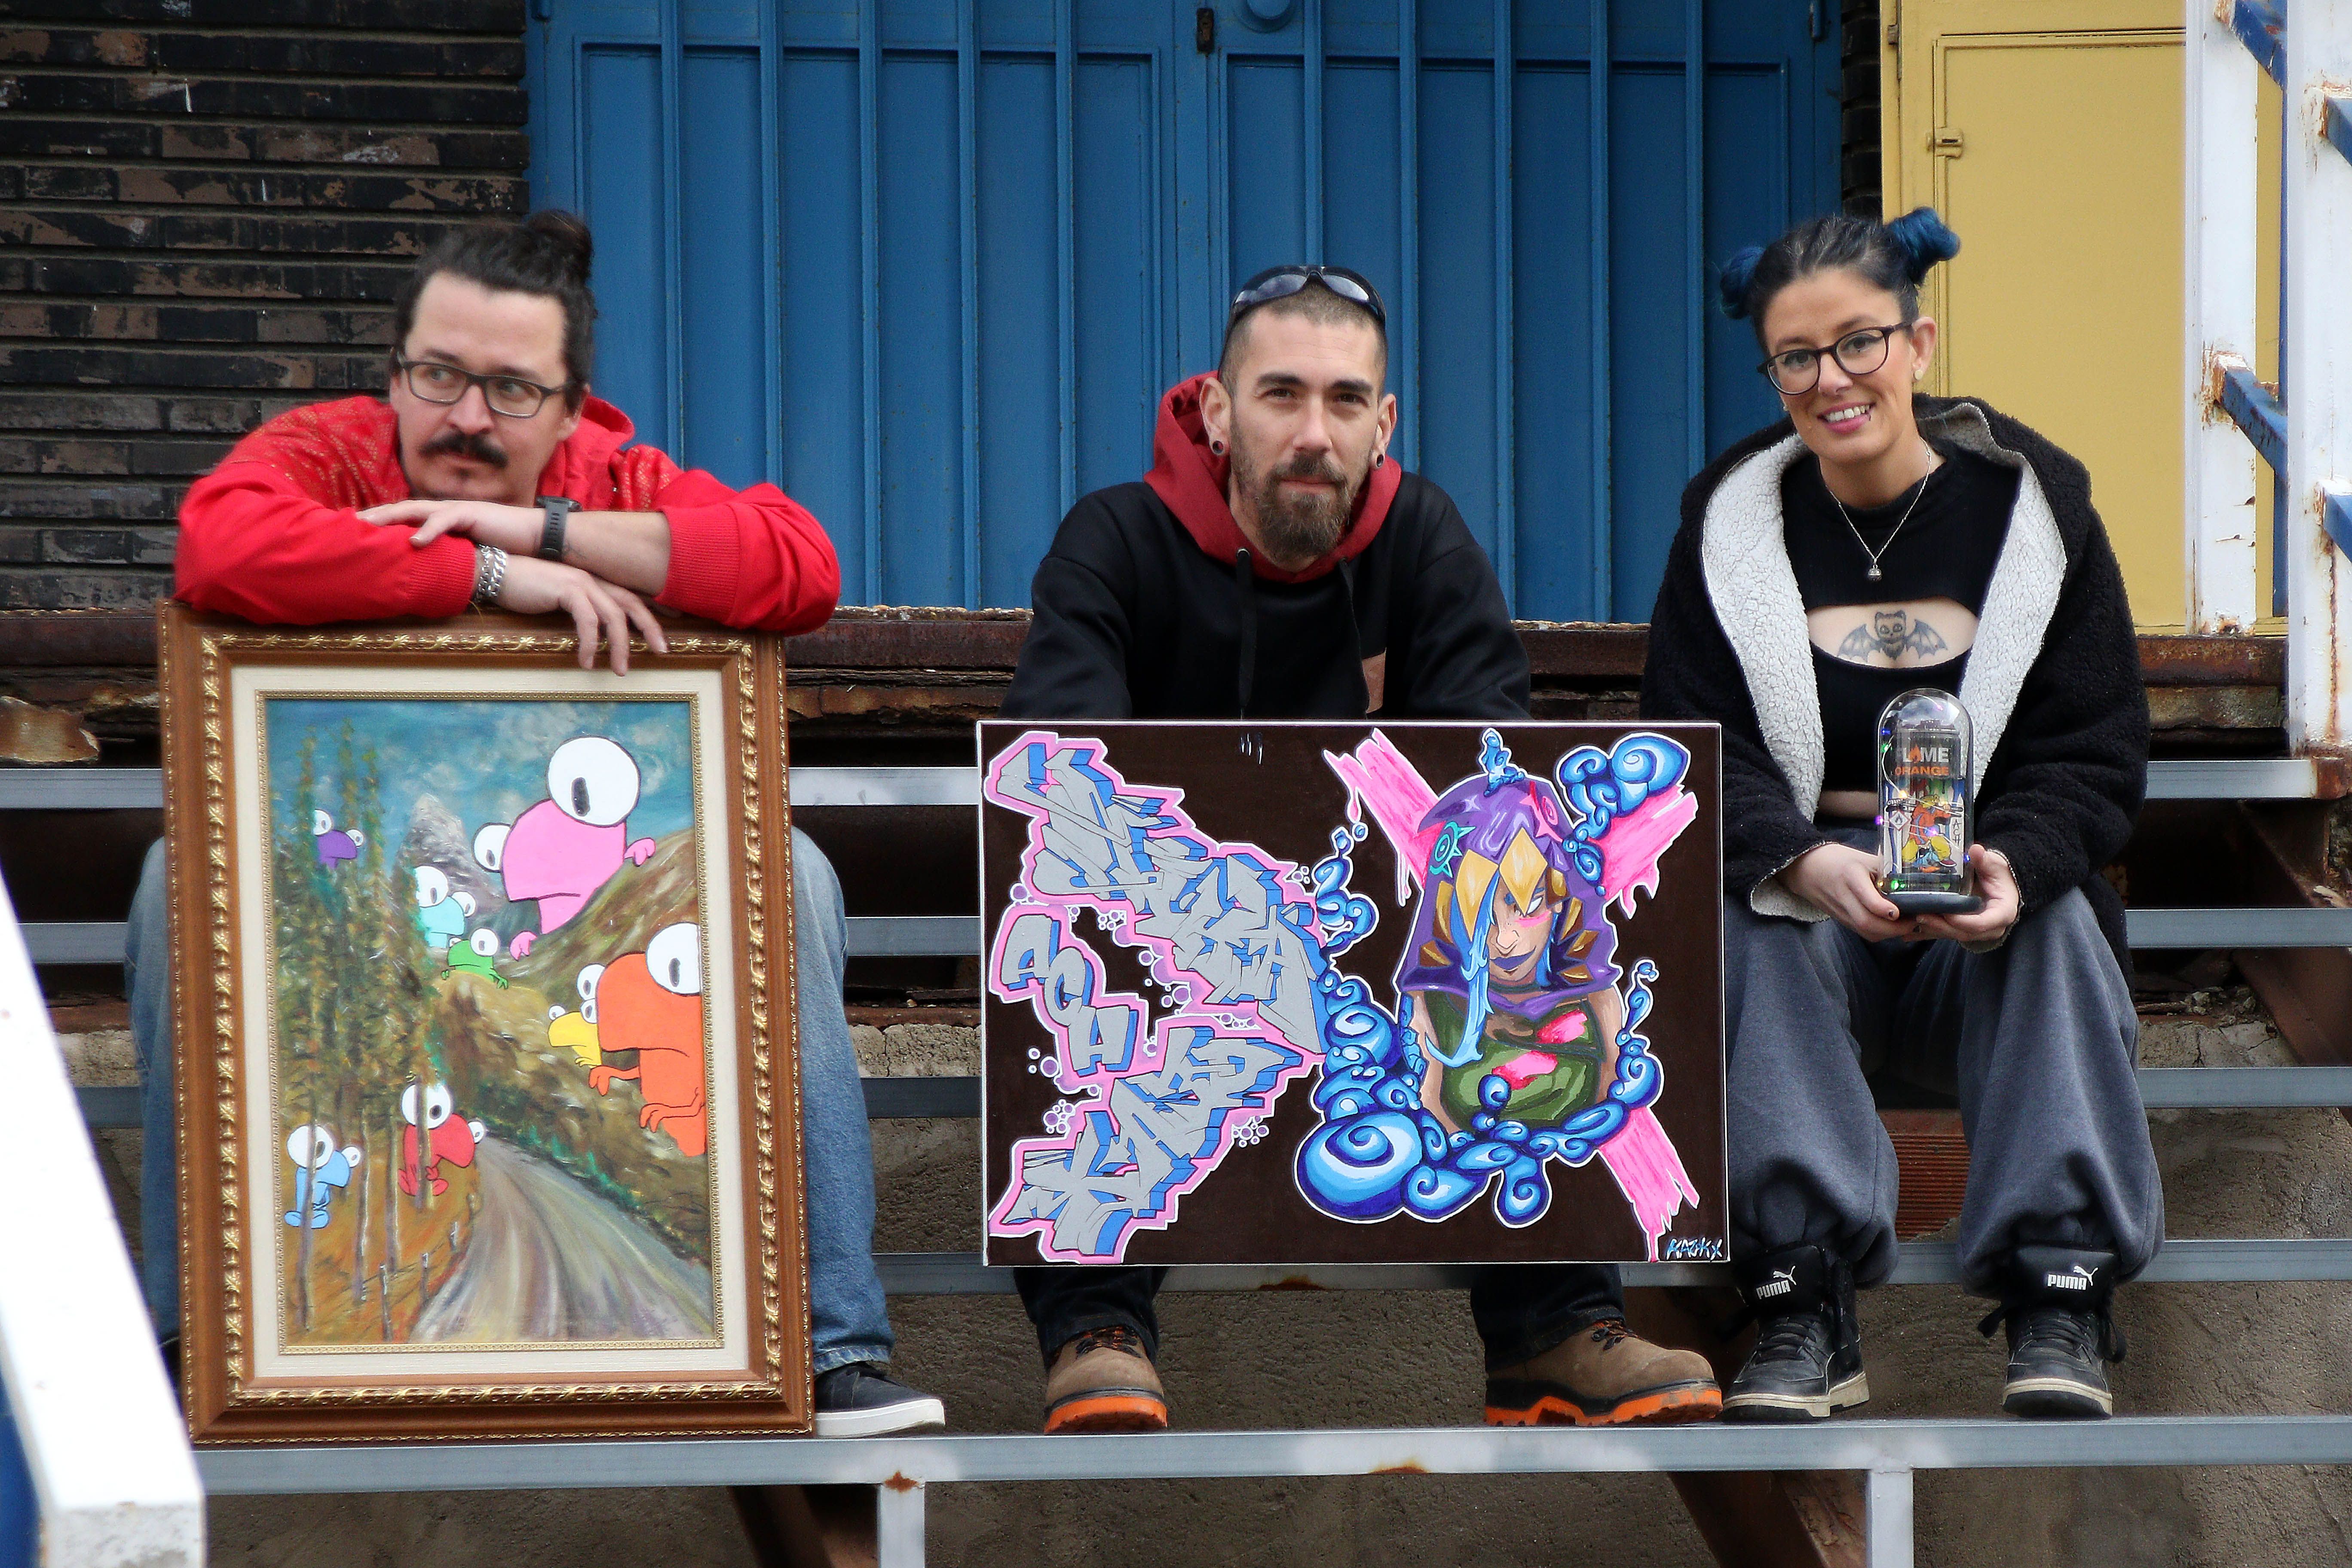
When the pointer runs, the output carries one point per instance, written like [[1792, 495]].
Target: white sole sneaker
[[907, 1416], [1854, 1391]]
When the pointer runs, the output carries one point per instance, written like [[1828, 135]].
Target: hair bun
[[567, 236], [1924, 238], [1737, 274]]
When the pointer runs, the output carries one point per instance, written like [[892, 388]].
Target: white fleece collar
[[1744, 554]]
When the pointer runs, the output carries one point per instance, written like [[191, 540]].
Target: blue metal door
[[928, 264]]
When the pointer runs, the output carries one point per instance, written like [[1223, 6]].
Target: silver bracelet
[[489, 573]]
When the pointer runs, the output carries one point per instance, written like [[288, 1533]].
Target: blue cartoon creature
[[320, 1168], [474, 956], [335, 846], [441, 914]]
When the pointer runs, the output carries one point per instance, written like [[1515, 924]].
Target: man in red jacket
[[489, 476]]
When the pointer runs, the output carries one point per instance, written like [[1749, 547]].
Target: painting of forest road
[[487, 1023]]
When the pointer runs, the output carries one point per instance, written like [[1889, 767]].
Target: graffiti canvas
[[1302, 993], [501, 938]]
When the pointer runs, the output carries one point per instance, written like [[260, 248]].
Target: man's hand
[[1997, 884], [513, 528], [536, 587], [1844, 882]]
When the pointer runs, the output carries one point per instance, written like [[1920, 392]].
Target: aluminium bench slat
[[888, 1099], [2197, 1260], [2234, 778], [2223, 927], [1844, 1444], [106, 789]]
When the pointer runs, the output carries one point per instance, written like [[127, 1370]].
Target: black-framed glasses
[[509, 396], [1858, 352], [1280, 282]]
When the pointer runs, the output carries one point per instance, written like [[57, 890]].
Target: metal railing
[[2302, 429], [99, 1429]]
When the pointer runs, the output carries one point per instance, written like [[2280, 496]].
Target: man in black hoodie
[[1275, 565]]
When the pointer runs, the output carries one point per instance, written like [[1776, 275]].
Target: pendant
[[1875, 573]]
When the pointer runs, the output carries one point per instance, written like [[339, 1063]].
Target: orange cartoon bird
[[651, 1002]]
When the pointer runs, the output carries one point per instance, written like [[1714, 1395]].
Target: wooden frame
[[303, 979]]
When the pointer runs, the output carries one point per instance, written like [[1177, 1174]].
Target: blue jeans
[[847, 1318]]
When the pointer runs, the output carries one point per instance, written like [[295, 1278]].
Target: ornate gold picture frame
[[483, 1013]]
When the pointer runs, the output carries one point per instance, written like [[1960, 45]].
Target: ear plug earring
[[1217, 447], [1379, 457]]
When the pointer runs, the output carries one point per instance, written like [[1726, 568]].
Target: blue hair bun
[[1924, 239], [1737, 274]]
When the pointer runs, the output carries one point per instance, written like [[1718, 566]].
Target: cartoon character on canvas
[[576, 1032], [449, 1138], [320, 1168], [441, 915], [477, 955], [334, 845], [1507, 973], [561, 851], [651, 1002]]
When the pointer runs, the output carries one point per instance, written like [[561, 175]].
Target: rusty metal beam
[[2281, 854]]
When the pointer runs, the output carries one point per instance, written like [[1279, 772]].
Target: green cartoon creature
[[474, 954]]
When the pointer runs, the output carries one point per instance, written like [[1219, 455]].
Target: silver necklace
[[1874, 573]]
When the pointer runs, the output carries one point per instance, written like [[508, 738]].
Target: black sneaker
[[1807, 1364], [2061, 1333], [861, 1400]]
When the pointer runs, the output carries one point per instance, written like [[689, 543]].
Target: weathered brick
[[125, 588], [214, 186], [43, 500], [79, 411], [194, 324], [121, 278], [111, 228], [502, 17], [21, 365], [252, 98], [287, 54]]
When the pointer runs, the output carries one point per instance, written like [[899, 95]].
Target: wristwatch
[[554, 510]]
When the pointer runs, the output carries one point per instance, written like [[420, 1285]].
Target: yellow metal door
[[2048, 133]]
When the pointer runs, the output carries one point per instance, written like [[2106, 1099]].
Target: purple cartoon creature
[[334, 845]]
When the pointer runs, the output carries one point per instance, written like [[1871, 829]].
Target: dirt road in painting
[[551, 1261]]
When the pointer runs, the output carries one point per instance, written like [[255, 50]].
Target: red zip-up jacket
[[273, 533]]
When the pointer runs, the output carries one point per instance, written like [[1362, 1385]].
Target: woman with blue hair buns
[[1874, 541]]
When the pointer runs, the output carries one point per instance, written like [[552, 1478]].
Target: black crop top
[[1945, 550]]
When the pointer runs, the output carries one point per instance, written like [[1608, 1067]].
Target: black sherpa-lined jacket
[[2053, 687]]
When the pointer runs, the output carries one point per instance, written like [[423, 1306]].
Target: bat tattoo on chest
[[1893, 634]]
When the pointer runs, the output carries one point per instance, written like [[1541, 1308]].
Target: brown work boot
[[1103, 1381], [1604, 1377]]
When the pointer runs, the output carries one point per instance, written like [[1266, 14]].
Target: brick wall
[[206, 207]]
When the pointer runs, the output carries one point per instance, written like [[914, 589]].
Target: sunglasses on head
[[1280, 282]]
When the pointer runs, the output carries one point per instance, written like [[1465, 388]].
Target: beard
[[1296, 527]]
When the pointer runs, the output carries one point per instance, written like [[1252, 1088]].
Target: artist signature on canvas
[[1690, 1249]]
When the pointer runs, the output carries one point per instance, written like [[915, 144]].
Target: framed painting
[[483, 1013], [1317, 992]]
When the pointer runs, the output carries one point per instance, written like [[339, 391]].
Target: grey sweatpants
[[2038, 1038]]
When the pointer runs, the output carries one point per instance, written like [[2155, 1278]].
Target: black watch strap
[[554, 510]]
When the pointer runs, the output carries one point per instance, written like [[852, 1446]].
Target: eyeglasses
[[509, 396], [1858, 352], [1280, 282]]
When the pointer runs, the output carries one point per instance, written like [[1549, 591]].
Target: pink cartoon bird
[[563, 850], [334, 844]]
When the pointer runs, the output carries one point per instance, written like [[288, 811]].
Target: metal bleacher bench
[[901, 1468]]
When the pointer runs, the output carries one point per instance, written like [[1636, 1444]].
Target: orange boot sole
[[1667, 1407]]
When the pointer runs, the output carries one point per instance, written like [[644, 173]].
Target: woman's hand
[[1844, 882], [1997, 885]]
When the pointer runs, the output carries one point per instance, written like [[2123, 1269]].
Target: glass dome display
[[1925, 815]]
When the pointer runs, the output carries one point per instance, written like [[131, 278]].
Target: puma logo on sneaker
[[2076, 1278], [1782, 1281]]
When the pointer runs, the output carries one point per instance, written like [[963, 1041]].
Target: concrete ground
[[1410, 1359]]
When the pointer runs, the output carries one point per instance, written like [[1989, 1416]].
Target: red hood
[[1191, 479], [586, 455]]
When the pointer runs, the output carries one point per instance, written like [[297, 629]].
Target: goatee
[[1298, 526]]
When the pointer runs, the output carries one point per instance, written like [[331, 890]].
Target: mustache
[[1311, 468], [470, 443]]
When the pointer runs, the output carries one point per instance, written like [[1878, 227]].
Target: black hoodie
[[1149, 606]]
